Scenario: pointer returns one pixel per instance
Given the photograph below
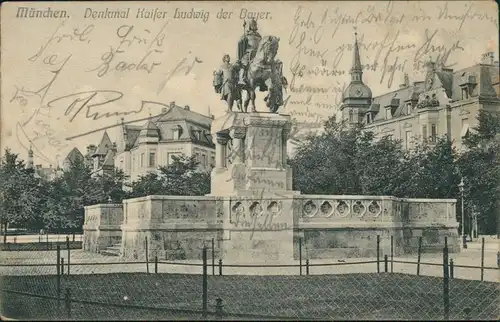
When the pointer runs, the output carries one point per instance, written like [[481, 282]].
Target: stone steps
[[112, 250]]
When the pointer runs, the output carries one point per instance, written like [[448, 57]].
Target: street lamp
[[461, 188]]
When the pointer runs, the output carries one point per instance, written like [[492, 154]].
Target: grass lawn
[[352, 296]]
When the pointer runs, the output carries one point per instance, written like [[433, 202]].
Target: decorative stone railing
[[178, 227], [342, 209]]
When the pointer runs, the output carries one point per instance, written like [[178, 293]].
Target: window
[[152, 159], [197, 157], [142, 160], [408, 139], [465, 127], [424, 132], [433, 133], [408, 108], [351, 116], [213, 161], [133, 163], [177, 132], [368, 118], [204, 160]]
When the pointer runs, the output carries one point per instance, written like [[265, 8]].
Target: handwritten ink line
[[115, 125]]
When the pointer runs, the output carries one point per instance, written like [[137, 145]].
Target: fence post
[[213, 257], [62, 266], [58, 251], [452, 269], [67, 301], [219, 307], [378, 253], [386, 263], [446, 284], [147, 257], [220, 267], [482, 259], [419, 253], [307, 266], [392, 254], [69, 254], [156, 264], [300, 255], [205, 297]]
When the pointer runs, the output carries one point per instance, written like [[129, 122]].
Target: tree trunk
[[5, 232]]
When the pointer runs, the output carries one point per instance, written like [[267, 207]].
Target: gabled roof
[[177, 113], [132, 132], [104, 146], [109, 159], [150, 129], [73, 155]]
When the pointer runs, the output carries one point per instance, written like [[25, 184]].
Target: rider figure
[[247, 48]]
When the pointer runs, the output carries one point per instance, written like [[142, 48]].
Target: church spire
[[30, 158], [356, 69]]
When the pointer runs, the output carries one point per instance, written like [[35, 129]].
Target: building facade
[[140, 149], [176, 131], [446, 103]]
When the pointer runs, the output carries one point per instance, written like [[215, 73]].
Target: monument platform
[[254, 216]]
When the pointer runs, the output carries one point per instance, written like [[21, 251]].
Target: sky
[[64, 77]]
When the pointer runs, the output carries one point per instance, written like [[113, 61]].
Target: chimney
[[91, 149], [212, 116], [38, 166], [164, 110], [406, 81], [187, 108], [172, 104], [488, 58]]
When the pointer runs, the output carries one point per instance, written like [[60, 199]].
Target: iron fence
[[62, 285]]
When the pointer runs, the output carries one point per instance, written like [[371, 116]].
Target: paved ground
[[109, 264]]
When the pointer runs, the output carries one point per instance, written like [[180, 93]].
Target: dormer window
[[197, 134], [177, 132], [408, 108]]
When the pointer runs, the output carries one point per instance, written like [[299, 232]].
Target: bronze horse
[[266, 73]]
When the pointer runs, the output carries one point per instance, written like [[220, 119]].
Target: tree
[[19, 192], [68, 194], [184, 178], [348, 160], [430, 171], [149, 184], [480, 167], [323, 164], [111, 184], [181, 178]]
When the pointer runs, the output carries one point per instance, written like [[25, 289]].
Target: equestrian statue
[[256, 66]]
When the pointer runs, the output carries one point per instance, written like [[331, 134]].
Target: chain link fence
[[46, 285]]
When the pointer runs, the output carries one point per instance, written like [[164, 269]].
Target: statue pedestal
[[251, 155], [255, 182]]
